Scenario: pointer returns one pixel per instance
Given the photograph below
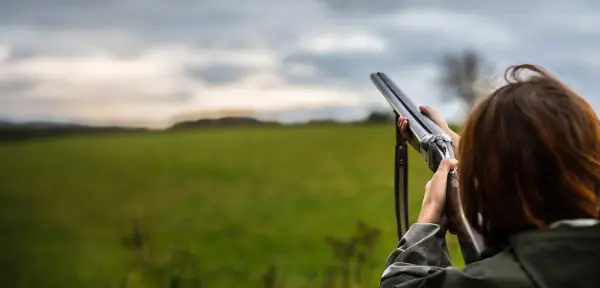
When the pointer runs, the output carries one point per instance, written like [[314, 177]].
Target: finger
[[446, 165], [400, 121], [425, 109]]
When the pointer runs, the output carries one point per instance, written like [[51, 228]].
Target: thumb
[[425, 109], [446, 165]]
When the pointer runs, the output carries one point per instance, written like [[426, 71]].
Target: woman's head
[[529, 156]]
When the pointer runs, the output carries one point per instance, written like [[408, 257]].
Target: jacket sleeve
[[421, 253]]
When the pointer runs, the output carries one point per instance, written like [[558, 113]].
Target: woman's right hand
[[434, 200], [438, 118]]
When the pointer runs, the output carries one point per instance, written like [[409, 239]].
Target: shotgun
[[433, 144]]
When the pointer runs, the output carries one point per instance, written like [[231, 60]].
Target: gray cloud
[[349, 70], [14, 87], [363, 6], [21, 53], [219, 74]]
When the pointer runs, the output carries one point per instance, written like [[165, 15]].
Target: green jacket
[[564, 255]]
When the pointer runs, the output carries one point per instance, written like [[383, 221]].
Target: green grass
[[238, 200]]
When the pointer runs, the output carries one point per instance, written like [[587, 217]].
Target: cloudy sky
[[148, 62]]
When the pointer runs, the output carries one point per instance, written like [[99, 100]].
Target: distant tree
[[460, 73], [379, 117]]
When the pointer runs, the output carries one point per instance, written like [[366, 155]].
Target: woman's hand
[[434, 200], [438, 118]]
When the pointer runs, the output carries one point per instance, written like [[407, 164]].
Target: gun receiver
[[433, 144]]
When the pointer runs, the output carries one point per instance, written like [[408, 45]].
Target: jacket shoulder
[[500, 270]]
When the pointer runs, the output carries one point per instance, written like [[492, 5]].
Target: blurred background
[[221, 143]]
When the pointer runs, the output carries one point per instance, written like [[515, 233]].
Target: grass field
[[218, 207]]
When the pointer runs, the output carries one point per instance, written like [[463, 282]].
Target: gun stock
[[471, 242], [433, 145]]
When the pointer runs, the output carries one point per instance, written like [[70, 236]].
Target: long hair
[[529, 156]]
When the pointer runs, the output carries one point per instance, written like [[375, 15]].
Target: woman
[[529, 172]]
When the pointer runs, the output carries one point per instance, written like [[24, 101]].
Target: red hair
[[529, 156]]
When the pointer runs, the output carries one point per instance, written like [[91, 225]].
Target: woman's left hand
[[434, 200]]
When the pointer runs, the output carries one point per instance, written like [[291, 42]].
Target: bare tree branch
[[460, 73]]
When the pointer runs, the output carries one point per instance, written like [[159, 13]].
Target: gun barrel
[[420, 124], [428, 139]]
